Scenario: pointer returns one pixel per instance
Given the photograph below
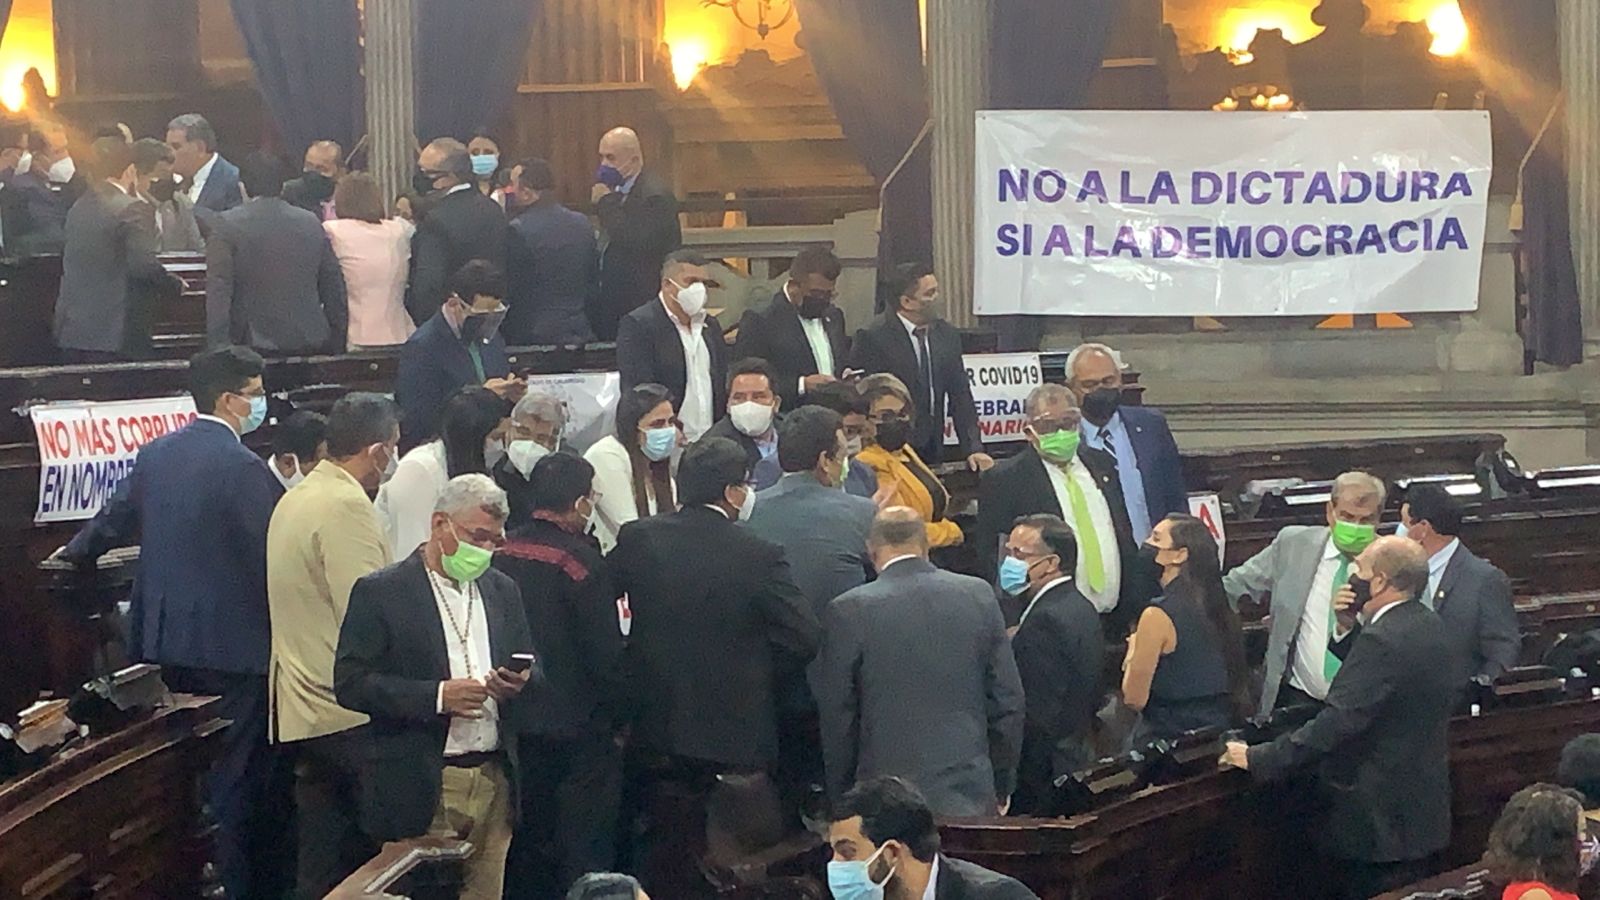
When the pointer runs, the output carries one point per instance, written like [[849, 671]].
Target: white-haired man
[[1148, 464], [1304, 568], [444, 758]]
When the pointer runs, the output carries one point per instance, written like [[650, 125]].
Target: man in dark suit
[[198, 501], [1138, 438], [1060, 650], [949, 721], [639, 223], [459, 346], [426, 649], [675, 343], [843, 398], [752, 420], [1381, 738], [213, 184], [912, 343], [1057, 474], [885, 842], [312, 191], [39, 198], [458, 224], [553, 260], [571, 764], [1471, 596], [109, 271], [717, 622], [799, 331], [272, 279]]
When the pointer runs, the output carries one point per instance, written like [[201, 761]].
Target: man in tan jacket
[[324, 536]]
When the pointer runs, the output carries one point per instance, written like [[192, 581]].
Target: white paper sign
[[1208, 509], [591, 399], [1000, 385], [1120, 213], [86, 449]]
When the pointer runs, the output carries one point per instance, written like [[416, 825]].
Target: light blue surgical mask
[[258, 414], [1013, 575], [850, 880], [485, 164], [1401, 530], [659, 442]]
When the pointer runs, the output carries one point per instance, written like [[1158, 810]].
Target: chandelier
[[769, 14]]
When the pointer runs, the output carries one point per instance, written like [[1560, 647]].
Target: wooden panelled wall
[[112, 47]]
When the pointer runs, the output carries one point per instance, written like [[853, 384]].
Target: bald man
[[949, 721], [313, 190], [1380, 739], [639, 227]]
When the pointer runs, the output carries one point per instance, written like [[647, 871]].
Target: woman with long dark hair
[[1185, 667], [633, 466], [471, 441]]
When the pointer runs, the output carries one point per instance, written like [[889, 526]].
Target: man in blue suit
[[212, 182], [1148, 464], [198, 501], [459, 346]]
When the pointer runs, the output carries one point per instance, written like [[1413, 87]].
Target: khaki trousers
[[475, 806]]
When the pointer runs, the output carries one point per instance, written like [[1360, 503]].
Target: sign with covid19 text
[[86, 449], [1112, 213], [1000, 383]]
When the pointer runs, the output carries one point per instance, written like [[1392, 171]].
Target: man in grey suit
[[272, 280], [176, 225], [109, 269], [1471, 596], [915, 678], [1303, 568]]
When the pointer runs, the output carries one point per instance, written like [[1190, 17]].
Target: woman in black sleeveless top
[[1185, 667]]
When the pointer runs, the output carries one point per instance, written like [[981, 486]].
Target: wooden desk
[[115, 816], [425, 868]]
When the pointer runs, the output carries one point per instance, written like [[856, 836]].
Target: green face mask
[[1059, 446], [1351, 538], [468, 562]]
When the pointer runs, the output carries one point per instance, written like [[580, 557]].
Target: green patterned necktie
[[1330, 662]]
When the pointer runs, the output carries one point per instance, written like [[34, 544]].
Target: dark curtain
[[5, 16], [868, 57], [469, 60], [1517, 47], [1043, 54], [307, 60]]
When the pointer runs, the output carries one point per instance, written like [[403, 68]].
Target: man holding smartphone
[[800, 331]]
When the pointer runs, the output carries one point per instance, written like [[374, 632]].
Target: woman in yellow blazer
[[885, 449]]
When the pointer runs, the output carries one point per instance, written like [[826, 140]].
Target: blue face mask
[[659, 442], [850, 880], [258, 414], [1401, 530], [1013, 575], [485, 164]]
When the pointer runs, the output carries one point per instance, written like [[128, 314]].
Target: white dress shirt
[[1105, 599], [466, 642], [613, 482], [405, 502], [1311, 641], [932, 890], [1436, 567], [817, 337], [695, 413], [200, 179]]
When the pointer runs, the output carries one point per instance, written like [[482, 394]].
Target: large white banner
[[86, 449], [1000, 383], [1230, 214]]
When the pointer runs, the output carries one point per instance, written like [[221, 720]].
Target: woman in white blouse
[[472, 439], [375, 255], [633, 468]]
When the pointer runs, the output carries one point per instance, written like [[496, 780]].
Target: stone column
[[958, 86], [1580, 73], [390, 32]]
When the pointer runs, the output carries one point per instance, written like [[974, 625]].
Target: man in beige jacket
[[324, 536]]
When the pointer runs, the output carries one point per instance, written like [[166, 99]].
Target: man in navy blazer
[[553, 261], [198, 502], [213, 182], [1147, 458], [460, 346]]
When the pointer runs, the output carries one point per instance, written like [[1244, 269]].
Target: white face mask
[[494, 449], [852, 447], [62, 170], [24, 162], [390, 466], [748, 505], [751, 418], [524, 454], [293, 479], [691, 299]]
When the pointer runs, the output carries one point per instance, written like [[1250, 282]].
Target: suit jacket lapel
[[1039, 481], [669, 349], [1452, 573], [1301, 592], [429, 618], [794, 332], [834, 326]]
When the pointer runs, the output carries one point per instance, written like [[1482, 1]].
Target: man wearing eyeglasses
[[1060, 475]]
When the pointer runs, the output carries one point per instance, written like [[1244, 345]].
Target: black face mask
[[162, 189], [814, 306], [1363, 589], [1149, 553], [319, 187], [893, 434], [1100, 404], [422, 182]]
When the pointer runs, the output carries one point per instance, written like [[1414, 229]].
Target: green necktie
[[1330, 662], [1094, 569], [477, 360]]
